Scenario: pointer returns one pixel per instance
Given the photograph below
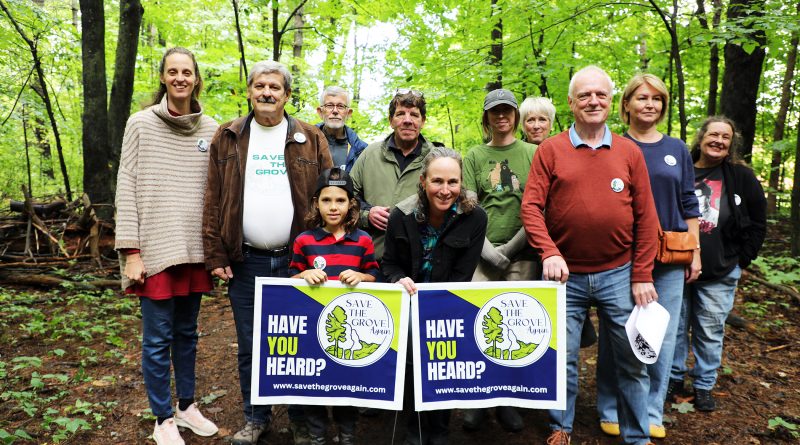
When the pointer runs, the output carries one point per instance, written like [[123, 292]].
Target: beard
[[334, 125]]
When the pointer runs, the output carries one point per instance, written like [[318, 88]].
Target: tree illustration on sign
[[492, 331], [335, 329]]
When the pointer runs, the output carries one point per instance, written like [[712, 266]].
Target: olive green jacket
[[378, 181]]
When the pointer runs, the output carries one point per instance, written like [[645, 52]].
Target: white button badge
[[617, 185]]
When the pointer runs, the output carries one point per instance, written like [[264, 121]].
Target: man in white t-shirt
[[262, 173]]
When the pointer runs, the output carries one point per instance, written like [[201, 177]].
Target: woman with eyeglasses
[[498, 171]]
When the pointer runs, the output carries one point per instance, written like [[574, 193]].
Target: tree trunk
[[743, 74], [675, 54], [242, 60], [496, 52], [43, 142], [795, 209], [780, 125], [97, 175], [119, 108], [297, 54], [713, 53], [276, 33]]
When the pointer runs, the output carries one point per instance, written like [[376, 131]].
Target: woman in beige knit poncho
[[160, 186]]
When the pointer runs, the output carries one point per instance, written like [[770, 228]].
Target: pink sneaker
[[167, 433], [192, 419]]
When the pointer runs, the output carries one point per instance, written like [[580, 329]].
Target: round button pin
[[320, 263], [617, 185], [202, 145], [670, 160], [300, 137]]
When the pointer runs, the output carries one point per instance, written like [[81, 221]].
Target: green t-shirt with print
[[498, 175]]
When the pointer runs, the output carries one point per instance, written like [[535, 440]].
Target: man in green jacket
[[388, 171]]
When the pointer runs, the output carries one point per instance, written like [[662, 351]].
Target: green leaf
[[683, 408]]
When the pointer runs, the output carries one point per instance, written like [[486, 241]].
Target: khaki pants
[[519, 270]]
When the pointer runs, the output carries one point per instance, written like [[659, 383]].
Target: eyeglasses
[[338, 107], [404, 91]]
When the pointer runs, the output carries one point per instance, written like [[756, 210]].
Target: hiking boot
[[347, 439], [509, 418], [316, 440], [558, 437], [300, 435], [473, 419], [610, 428], [703, 400], [675, 388], [249, 434], [658, 431], [167, 433], [195, 421]]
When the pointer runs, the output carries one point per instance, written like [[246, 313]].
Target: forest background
[[73, 71]]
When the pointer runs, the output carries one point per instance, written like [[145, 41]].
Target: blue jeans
[[241, 291], [668, 280], [611, 292], [169, 328], [705, 308]]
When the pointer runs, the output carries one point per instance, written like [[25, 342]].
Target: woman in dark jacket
[[733, 225], [434, 236]]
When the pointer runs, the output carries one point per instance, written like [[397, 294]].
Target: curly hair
[[736, 142], [466, 203]]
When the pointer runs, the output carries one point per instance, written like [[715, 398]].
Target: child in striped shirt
[[333, 249]]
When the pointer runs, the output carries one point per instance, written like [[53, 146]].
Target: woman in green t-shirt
[[498, 171]]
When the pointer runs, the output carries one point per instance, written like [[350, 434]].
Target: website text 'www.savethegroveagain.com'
[[491, 389], [329, 388]]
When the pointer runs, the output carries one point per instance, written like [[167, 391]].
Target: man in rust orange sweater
[[589, 212]]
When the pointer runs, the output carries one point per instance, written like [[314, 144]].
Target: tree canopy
[[451, 50]]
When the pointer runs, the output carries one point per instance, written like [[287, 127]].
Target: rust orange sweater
[[592, 207]]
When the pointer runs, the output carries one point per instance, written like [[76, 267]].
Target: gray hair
[[467, 203], [537, 105], [585, 70], [333, 90], [270, 67]]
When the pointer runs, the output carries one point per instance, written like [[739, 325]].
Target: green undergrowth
[[54, 349]]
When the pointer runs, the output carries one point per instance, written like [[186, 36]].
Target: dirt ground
[[758, 382]]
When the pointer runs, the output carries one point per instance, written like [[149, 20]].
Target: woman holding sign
[[434, 236], [160, 186]]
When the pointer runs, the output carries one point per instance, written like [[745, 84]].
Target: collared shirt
[[319, 249], [577, 142], [403, 160]]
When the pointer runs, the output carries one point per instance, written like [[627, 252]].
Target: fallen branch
[[778, 287], [777, 348], [49, 281], [739, 322]]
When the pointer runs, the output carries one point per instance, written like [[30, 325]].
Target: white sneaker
[[192, 419], [167, 433]]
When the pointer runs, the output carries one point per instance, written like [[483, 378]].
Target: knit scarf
[[184, 125]]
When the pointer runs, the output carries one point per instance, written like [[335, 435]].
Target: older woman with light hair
[[538, 114], [644, 103]]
